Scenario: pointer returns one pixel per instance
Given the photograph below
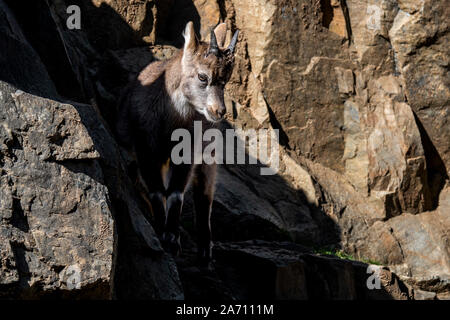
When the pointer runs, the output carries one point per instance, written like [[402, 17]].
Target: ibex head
[[206, 68]]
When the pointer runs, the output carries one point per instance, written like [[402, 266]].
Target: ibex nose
[[222, 112], [218, 111]]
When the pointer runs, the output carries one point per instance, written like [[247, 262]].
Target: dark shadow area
[[41, 32], [107, 30], [240, 272], [327, 13], [20, 65], [284, 139], [23, 270], [436, 171], [19, 220], [275, 270], [181, 12], [348, 24]]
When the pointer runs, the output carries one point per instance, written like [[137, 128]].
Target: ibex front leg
[[180, 175], [156, 191], [204, 178]]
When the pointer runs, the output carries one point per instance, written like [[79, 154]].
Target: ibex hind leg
[[203, 183], [180, 175]]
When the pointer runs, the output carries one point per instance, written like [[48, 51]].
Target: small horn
[[213, 46], [233, 42]]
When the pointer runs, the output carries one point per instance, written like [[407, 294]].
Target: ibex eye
[[202, 77]]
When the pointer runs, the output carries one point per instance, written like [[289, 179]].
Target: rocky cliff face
[[359, 91]]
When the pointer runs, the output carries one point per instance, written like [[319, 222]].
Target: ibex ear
[[190, 40], [221, 33]]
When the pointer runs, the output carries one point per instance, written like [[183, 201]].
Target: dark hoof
[[171, 243], [204, 257], [205, 264]]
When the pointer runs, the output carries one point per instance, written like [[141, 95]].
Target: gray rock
[[57, 223]]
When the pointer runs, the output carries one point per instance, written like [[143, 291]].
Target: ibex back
[[168, 95]]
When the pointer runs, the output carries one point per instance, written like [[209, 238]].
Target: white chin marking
[[208, 117], [180, 103]]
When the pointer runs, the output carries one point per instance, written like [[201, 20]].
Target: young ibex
[[168, 95]]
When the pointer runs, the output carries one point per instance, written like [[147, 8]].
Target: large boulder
[[57, 229]]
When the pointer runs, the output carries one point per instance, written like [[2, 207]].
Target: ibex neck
[[173, 84]]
